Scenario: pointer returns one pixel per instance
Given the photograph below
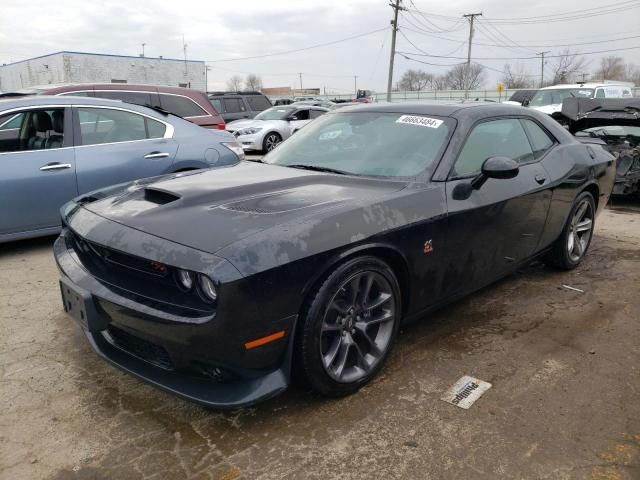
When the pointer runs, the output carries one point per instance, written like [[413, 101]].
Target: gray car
[[55, 148]]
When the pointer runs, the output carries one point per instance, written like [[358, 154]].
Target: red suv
[[192, 105]]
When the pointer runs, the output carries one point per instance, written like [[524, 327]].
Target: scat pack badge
[[428, 247]]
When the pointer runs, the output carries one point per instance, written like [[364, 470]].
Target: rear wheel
[[571, 247], [347, 330], [271, 141]]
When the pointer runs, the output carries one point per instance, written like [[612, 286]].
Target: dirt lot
[[565, 402]]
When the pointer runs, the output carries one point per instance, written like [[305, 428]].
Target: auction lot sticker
[[466, 391], [420, 121]]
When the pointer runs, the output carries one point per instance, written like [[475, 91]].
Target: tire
[[271, 141], [572, 245], [344, 336]]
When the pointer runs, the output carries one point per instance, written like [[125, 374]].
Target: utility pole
[[206, 78], [542, 67], [184, 49], [355, 84], [471, 17], [300, 75], [143, 44], [394, 24]]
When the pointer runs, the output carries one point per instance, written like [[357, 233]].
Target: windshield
[[275, 113], [367, 143], [556, 95]]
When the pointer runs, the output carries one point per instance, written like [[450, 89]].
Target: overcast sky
[[216, 30]]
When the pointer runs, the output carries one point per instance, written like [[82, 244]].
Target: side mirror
[[525, 102], [496, 167], [292, 118]]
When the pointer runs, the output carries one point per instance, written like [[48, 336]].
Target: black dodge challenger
[[222, 285]]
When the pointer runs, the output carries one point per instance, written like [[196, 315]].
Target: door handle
[[156, 155], [55, 166], [540, 179]]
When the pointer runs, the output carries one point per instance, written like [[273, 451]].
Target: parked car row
[[190, 104]]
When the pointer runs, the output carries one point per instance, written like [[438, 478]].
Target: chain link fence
[[487, 94]]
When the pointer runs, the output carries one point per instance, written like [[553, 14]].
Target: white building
[[77, 67]]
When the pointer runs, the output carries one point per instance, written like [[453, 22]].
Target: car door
[[38, 168], [115, 145], [493, 229], [299, 119]]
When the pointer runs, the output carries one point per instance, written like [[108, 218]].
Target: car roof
[[440, 108], [70, 87], [583, 85], [37, 100]]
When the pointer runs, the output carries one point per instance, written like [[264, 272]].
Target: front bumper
[[181, 355], [250, 142]]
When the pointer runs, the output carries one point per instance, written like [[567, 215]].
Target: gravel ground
[[565, 402]]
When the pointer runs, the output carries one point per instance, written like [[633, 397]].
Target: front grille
[[138, 347]]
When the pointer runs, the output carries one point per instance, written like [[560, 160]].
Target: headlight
[[249, 131], [185, 279], [236, 148], [207, 288]]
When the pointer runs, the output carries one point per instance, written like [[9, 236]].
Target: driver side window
[[494, 138], [302, 115]]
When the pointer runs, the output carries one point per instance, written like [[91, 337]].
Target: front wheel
[[271, 141], [571, 247], [347, 330]]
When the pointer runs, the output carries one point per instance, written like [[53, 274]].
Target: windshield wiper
[[317, 169]]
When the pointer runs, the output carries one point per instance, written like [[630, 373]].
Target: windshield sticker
[[330, 135], [420, 121]]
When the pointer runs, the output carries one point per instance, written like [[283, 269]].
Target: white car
[[549, 99], [272, 126]]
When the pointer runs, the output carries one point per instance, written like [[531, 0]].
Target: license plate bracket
[[78, 304]]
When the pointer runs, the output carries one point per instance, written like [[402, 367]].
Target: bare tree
[[415, 80], [632, 74], [460, 77], [516, 77], [611, 68], [566, 66], [234, 83], [253, 82]]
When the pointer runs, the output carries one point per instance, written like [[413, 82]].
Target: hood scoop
[[159, 197]]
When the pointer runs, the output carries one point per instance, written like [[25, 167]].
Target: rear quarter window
[[181, 106], [258, 103]]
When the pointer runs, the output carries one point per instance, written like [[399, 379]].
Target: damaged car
[[614, 123], [221, 286]]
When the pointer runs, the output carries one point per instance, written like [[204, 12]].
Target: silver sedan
[[272, 126]]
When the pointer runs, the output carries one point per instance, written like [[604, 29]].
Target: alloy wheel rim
[[580, 230], [272, 142], [357, 326]]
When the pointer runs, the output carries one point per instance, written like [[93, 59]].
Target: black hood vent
[[159, 197]]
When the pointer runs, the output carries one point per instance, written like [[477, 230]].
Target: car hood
[[211, 209], [238, 124]]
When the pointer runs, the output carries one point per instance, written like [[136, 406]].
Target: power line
[[576, 14], [499, 34], [528, 58], [463, 43], [286, 52], [502, 45], [573, 15], [433, 25], [428, 63]]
